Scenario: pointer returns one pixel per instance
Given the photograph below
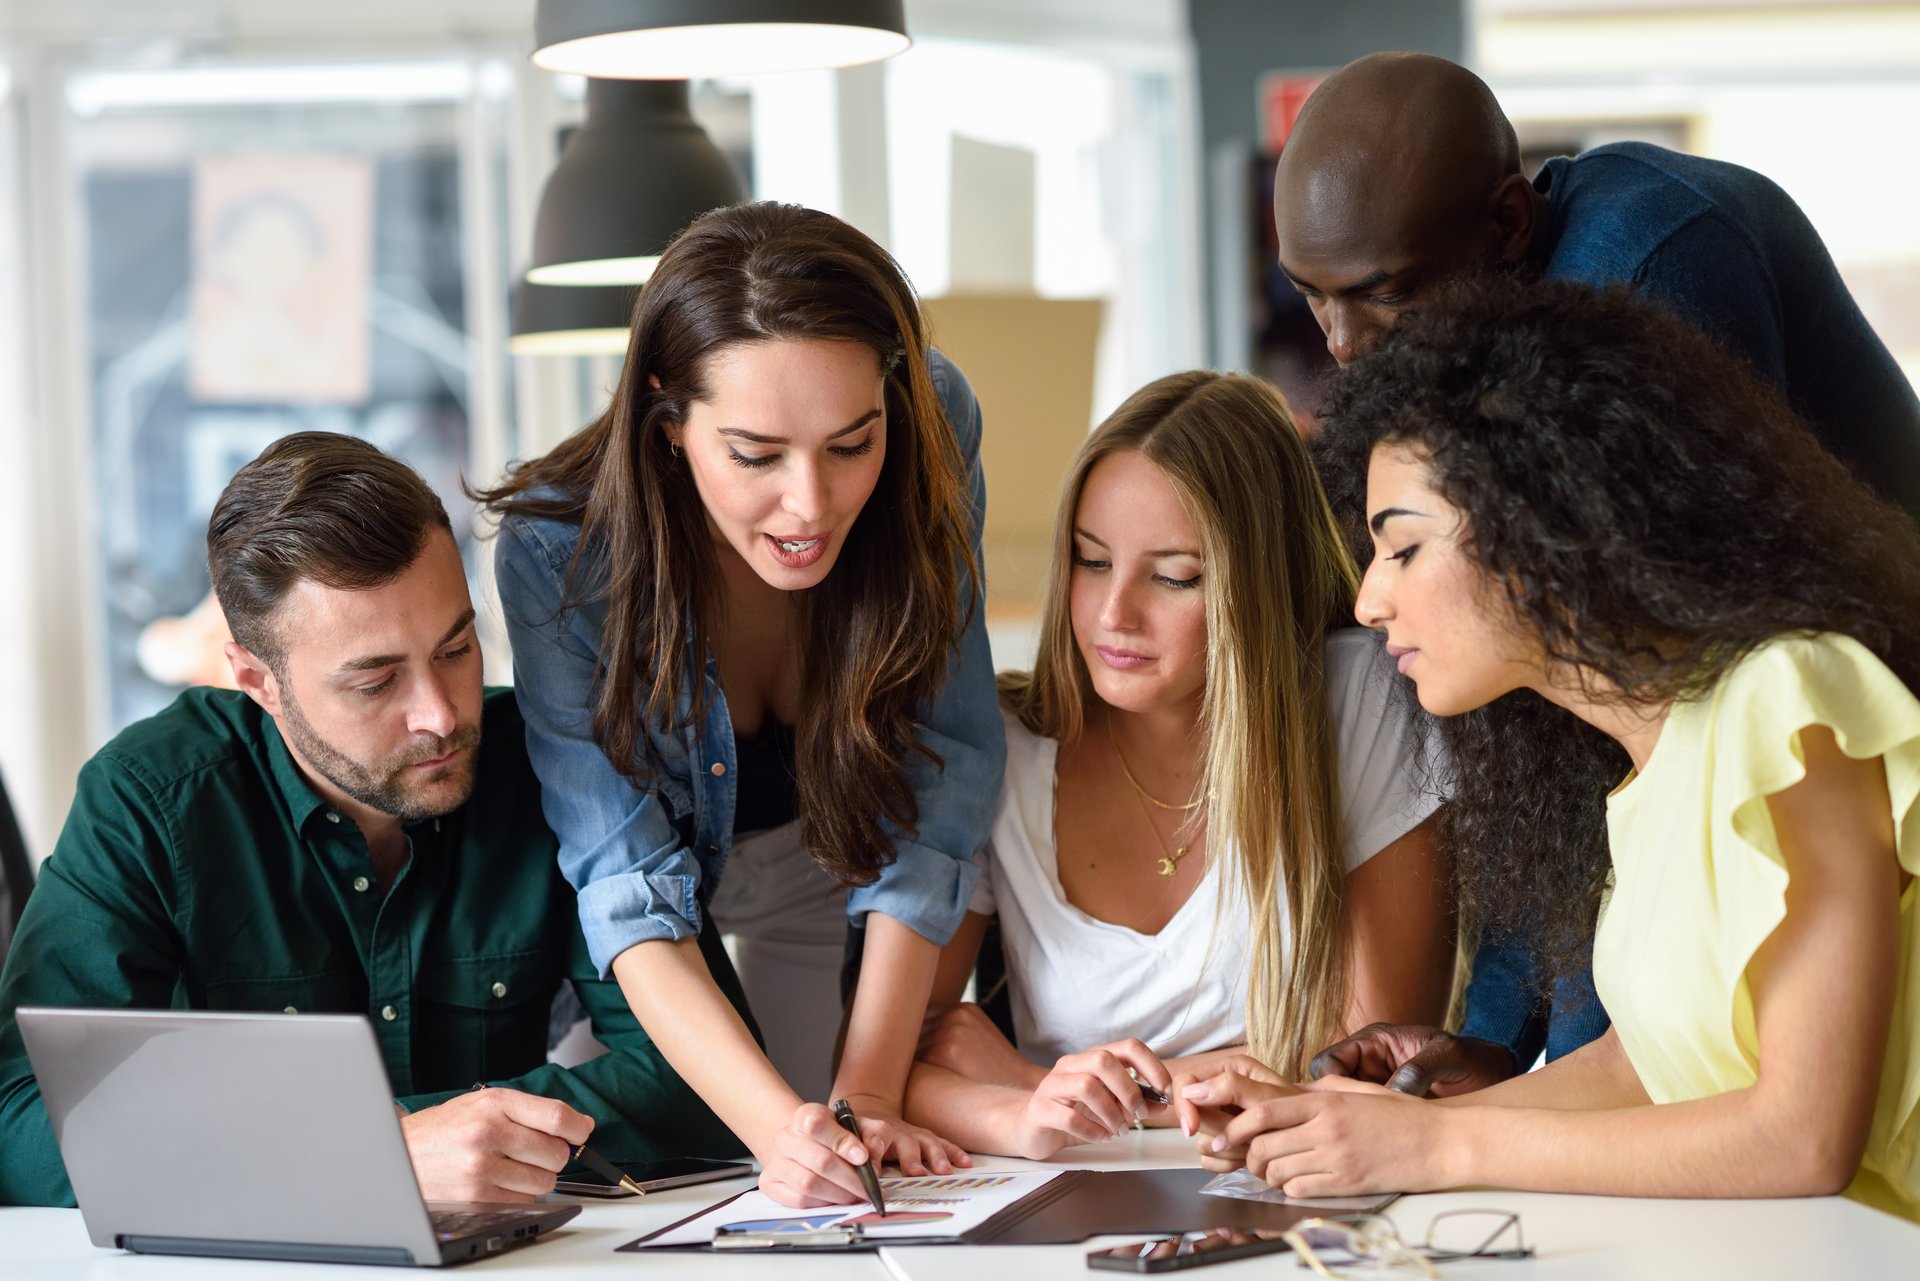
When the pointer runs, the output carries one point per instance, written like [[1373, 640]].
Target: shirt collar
[[301, 800]]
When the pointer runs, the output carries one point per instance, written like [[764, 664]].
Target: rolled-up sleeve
[[931, 880], [619, 849]]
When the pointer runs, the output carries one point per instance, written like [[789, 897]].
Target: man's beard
[[385, 787]]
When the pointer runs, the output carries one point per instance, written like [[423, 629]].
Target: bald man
[[1401, 172]]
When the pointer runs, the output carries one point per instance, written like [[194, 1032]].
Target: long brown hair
[[879, 629], [1278, 578]]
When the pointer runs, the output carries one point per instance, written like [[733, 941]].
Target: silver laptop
[[264, 1136]]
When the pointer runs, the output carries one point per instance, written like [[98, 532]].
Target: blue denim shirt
[[1503, 1004], [621, 843], [1730, 251]]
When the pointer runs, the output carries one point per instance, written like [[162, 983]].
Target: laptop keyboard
[[451, 1225]]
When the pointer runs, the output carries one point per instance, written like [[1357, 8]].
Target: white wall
[[1823, 99], [49, 722]]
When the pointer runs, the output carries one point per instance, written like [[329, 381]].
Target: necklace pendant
[[1166, 864]]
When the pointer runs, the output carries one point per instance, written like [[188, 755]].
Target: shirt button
[[719, 769], [388, 1013], [289, 1010], [332, 817], [499, 989], [360, 883]]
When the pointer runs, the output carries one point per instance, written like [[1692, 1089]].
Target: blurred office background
[[224, 220]]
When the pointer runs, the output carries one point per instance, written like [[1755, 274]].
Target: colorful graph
[[893, 1218], [944, 1183]]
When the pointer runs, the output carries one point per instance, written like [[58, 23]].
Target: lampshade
[[552, 320], [687, 39], [628, 180]]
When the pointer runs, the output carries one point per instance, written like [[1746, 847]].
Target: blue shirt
[[1505, 1005], [1728, 250], [643, 856]]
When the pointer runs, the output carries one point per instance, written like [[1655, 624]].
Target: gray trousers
[[785, 925]]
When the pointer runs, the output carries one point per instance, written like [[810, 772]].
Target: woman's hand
[[967, 1043], [811, 1161], [915, 1149], [1089, 1097], [1198, 1120], [1347, 1140]]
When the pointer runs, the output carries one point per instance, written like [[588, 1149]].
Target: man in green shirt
[[333, 838]]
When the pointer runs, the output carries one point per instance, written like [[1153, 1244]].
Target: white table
[[1576, 1239]]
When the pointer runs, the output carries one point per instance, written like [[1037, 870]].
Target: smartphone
[[1190, 1250], [654, 1176]]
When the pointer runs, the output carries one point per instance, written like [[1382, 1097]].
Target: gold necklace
[[1169, 861], [1133, 782]]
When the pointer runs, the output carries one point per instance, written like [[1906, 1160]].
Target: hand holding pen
[[1093, 1096], [494, 1144], [870, 1172], [814, 1161], [593, 1160]]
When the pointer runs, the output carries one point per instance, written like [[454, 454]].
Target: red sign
[[1282, 94]]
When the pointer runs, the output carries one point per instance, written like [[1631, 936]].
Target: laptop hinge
[[392, 1256]]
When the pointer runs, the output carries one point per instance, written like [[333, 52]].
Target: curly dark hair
[[1653, 512]]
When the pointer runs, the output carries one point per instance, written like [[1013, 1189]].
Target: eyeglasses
[[1371, 1242]]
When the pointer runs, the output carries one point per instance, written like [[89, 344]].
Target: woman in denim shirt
[[770, 536]]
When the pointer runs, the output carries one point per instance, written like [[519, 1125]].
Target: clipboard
[[1071, 1208]]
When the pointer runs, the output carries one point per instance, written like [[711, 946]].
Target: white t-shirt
[[1077, 981]]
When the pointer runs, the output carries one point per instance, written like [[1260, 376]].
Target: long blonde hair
[[1278, 577]]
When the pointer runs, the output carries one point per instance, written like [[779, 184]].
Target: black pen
[[1151, 1093], [870, 1172], [595, 1162]]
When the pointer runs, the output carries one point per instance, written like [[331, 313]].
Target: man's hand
[[967, 1043], [1088, 1097], [492, 1145], [1415, 1060]]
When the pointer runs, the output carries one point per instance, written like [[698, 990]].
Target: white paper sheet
[[935, 1205]]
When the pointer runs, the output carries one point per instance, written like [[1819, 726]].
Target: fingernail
[[1140, 1111], [1195, 1091], [857, 1155], [1186, 1129], [1219, 1143]]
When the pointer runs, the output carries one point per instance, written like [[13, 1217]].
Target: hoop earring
[[673, 447]]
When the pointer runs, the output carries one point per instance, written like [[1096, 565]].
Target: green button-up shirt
[[198, 869]]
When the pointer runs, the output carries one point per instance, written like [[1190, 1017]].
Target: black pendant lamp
[[689, 39], [629, 179], [585, 320]]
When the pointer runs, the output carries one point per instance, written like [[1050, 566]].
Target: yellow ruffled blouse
[[1699, 882]]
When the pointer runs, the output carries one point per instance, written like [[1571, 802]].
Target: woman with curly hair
[[1678, 646]]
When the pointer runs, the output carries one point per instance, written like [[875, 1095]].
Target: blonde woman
[[1209, 840]]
